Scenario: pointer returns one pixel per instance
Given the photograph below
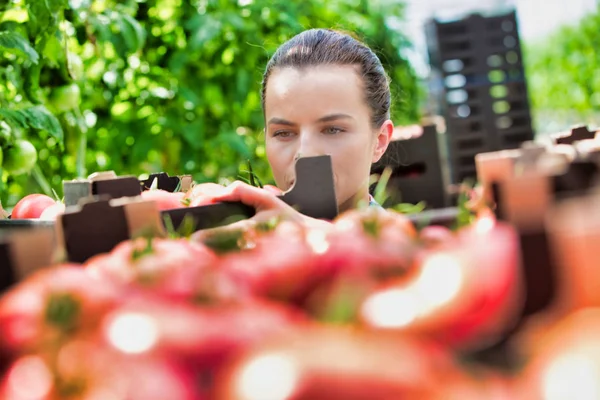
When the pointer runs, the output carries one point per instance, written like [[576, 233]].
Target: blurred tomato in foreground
[[372, 241], [84, 370], [174, 268], [52, 305], [203, 337], [566, 360], [464, 294], [332, 363], [277, 260]]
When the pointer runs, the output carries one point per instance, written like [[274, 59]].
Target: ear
[[384, 136]]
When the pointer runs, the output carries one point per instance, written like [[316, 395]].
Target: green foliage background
[[161, 85], [563, 72]]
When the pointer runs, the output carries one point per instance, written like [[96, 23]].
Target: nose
[[308, 146]]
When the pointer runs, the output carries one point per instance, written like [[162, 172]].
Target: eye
[[332, 130], [283, 134]]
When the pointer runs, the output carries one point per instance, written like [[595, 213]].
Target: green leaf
[[14, 41], [465, 217], [143, 250], [56, 6], [380, 194], [208, 29], [43, 15], [193, 134], [101, 27], [408, 208], [53, 51], [253, 179], [37, 117], [236, 143], [133, 33]]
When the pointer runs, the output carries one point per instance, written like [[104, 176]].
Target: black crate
[[416, 170], [478, 84]]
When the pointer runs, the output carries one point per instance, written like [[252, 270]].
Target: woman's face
[[322, 111]]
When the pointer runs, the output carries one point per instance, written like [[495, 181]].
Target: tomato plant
[[160, 85], [66, 98]]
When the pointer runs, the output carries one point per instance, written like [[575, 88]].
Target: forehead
[[314, 91]]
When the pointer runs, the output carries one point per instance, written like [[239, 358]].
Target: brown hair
[[324, 46]]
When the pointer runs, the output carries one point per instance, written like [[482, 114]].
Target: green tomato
[[20, 157], [66, 98]]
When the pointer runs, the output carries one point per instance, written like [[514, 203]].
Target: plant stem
[[380, 193], [3, 191], [81, 143], [41, 180]]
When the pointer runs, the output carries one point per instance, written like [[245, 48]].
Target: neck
[[352, 202]]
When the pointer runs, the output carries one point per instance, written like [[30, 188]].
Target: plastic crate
[[479, 86], [416, 170]]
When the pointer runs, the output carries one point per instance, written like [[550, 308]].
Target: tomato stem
[[41, 180], [62, 311]]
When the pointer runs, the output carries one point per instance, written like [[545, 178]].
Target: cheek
[[353, 155], [352, 163], [279, 161]]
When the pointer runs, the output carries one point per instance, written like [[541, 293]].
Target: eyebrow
[[327, 118], [334, 117], [281, 121]]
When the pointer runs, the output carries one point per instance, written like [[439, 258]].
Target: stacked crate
[[416, 168], [478, 84]]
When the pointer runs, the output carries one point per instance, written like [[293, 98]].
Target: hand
[[265, 202], [273, 189]]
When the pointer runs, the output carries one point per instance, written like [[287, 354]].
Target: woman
[[323, 92]]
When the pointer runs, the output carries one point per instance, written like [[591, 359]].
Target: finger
[[207, 188], [273, 189], [252, 196]]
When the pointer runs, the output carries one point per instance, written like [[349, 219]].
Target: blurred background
[[561, 46], [173, 85]]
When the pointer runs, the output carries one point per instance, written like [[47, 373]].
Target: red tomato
[[372, 241], [176, 268], [333, 363], [51, 304], [86, 370], [279, 263], [566, 360], [52, 212], [202, 337], [464, 294], [32, 206], [433, 235], [164, 200]]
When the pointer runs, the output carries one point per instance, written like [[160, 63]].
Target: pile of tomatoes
[[366, 308], [42, 207]]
